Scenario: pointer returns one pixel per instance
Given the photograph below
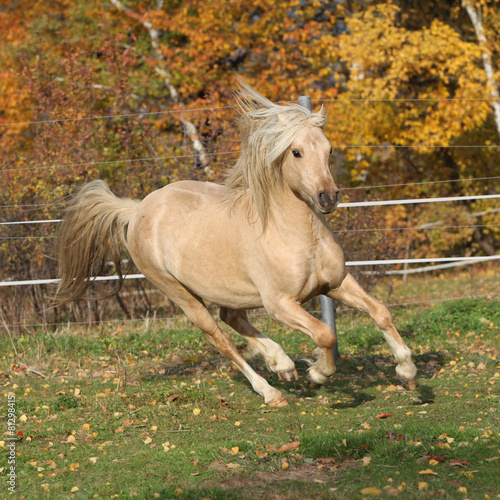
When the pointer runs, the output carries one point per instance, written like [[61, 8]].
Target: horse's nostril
[[323, 198]]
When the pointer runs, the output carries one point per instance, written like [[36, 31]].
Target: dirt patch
[[260, 483]]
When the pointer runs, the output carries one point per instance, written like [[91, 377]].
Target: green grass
[[132, 413]]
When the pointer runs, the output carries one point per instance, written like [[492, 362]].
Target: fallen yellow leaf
[[428, 471], [148, 440], [74, 466], [74, 489], [422, 485], [196, 411], [93, 459], [371, 491], [234, 450]]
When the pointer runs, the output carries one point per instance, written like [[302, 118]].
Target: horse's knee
[[383, 317], [325, 337]]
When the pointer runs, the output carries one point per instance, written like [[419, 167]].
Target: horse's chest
[[313, 270]]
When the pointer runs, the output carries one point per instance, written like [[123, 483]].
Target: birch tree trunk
[[189, 127], [477, 21]]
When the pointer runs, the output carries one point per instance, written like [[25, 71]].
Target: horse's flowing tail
[[92, 231]]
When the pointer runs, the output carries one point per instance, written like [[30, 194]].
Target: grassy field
[[129, 412]]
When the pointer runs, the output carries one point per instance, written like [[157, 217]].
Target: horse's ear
[[322, 112]]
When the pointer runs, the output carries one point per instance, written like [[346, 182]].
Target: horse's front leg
[[290, 313], [351, 294]]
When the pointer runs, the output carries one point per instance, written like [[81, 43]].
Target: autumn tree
[[140, 94]]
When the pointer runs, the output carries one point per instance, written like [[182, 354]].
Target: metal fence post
[[327, 304]]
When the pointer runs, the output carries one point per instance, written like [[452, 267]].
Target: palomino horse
[[259, 240]]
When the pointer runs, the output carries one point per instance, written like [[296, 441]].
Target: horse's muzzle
[[328, 201]]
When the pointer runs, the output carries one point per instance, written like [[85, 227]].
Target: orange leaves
[[289, 447]]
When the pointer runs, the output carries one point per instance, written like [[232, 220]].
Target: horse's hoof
[[410, 384], [279, 401], [316, 379], [289, 376]]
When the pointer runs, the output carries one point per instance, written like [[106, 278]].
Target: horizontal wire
[[190, 110], [419, 183], [430, 146], [416, 228], [33, 205], [172, 157], [355, 204], [107, 162], [417, 99], [15, 223], [250, 314], [416, 201], [107, 117], [26, 237], [471, 179], [52, 281], [443, 299]]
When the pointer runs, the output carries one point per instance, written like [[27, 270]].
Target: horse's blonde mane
[[267, 131]]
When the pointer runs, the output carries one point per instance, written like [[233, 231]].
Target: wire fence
[[445, 262], [217, 108], [340, 205]]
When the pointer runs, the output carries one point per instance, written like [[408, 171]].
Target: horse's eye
[[296, 153], [331, 151]]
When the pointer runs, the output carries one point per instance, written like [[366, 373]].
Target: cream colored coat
[[231, 246]]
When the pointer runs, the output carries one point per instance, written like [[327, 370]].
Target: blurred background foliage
[[139, 93]]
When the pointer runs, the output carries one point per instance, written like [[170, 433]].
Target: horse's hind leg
[[195, 309], [351, 294], [274, 355]]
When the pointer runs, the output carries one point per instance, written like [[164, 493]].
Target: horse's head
[[281, 145], [306, 170]]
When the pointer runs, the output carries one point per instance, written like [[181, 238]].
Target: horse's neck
[[290, 215]]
